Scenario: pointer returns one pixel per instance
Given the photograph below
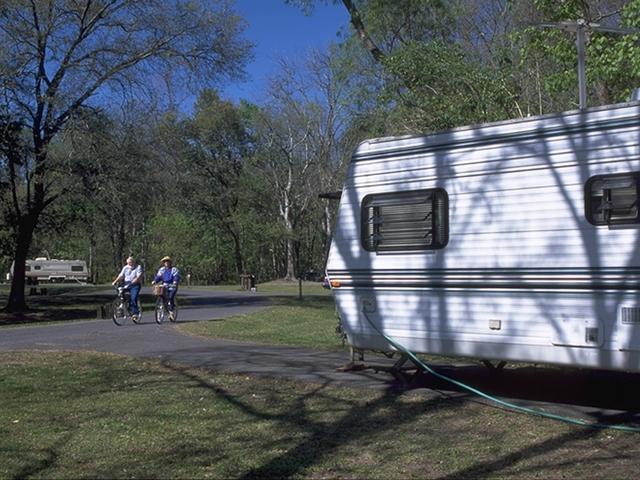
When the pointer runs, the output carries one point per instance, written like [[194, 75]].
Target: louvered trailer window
[[405, 221], [612, 199]]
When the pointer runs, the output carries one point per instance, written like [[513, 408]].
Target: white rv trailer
[[52, 270], [516, 241]]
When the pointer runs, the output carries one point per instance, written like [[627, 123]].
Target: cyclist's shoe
[[171, 315], [135, 318]]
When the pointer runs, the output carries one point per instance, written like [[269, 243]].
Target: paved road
[[607, 397], [166, 343]]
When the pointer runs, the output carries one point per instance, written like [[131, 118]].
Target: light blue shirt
[[168, 275], [129, 274]]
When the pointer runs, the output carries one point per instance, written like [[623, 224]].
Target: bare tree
[[299, 134], [60, 56]]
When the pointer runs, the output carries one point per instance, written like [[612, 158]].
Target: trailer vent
[[630, 315]]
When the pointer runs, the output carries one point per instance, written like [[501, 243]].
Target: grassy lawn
[[80, 415], [66, 302], [307, 322], [280, 287], [276, 287], [310, 322], [71, 415]]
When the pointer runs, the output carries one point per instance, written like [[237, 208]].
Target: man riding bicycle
[[170, 278], [131, 275]]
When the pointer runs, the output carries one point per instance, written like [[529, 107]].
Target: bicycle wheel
[[119, 312], [161, 310], [173, 316]]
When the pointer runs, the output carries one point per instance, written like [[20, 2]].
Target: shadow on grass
[[63, 308], [68, 304], [601, 390], [65, 303], [498, 465], [221, 301], [359, 422], [62, 303], [308, 301], [51, 456], [321, 439], [337, 431]]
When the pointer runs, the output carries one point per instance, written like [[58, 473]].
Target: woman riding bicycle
[[170, 278], [131, 275]]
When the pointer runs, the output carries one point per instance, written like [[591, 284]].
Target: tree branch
[[366, 39]]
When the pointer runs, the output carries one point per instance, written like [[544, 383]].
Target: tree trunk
[[291, 273], [286, 217], [93, 273], [117, 240], [237, 248], [16, 303], [274, 260], [328, 222], [144, 250]]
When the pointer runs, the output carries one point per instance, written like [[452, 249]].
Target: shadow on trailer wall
[[516, 240]]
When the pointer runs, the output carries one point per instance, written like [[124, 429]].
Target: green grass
[[277, 287], [310, 322], [101, 416], [62, 303], [66, 302]]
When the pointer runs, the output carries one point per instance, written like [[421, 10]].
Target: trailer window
[[612, 199], [76, 268], [405, 221]]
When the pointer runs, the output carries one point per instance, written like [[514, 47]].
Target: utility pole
[[582, 29]]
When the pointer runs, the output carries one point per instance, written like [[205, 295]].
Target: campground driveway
[[593, 396], [164, 342]]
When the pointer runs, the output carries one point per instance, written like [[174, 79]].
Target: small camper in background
[[515, 240], [52, 270]]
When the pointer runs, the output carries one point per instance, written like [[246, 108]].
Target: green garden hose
[[493, 399]]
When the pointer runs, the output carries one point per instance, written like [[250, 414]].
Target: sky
[[278, 30]]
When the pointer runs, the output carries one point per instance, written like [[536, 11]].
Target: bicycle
[[121, 307], [162, 305]]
